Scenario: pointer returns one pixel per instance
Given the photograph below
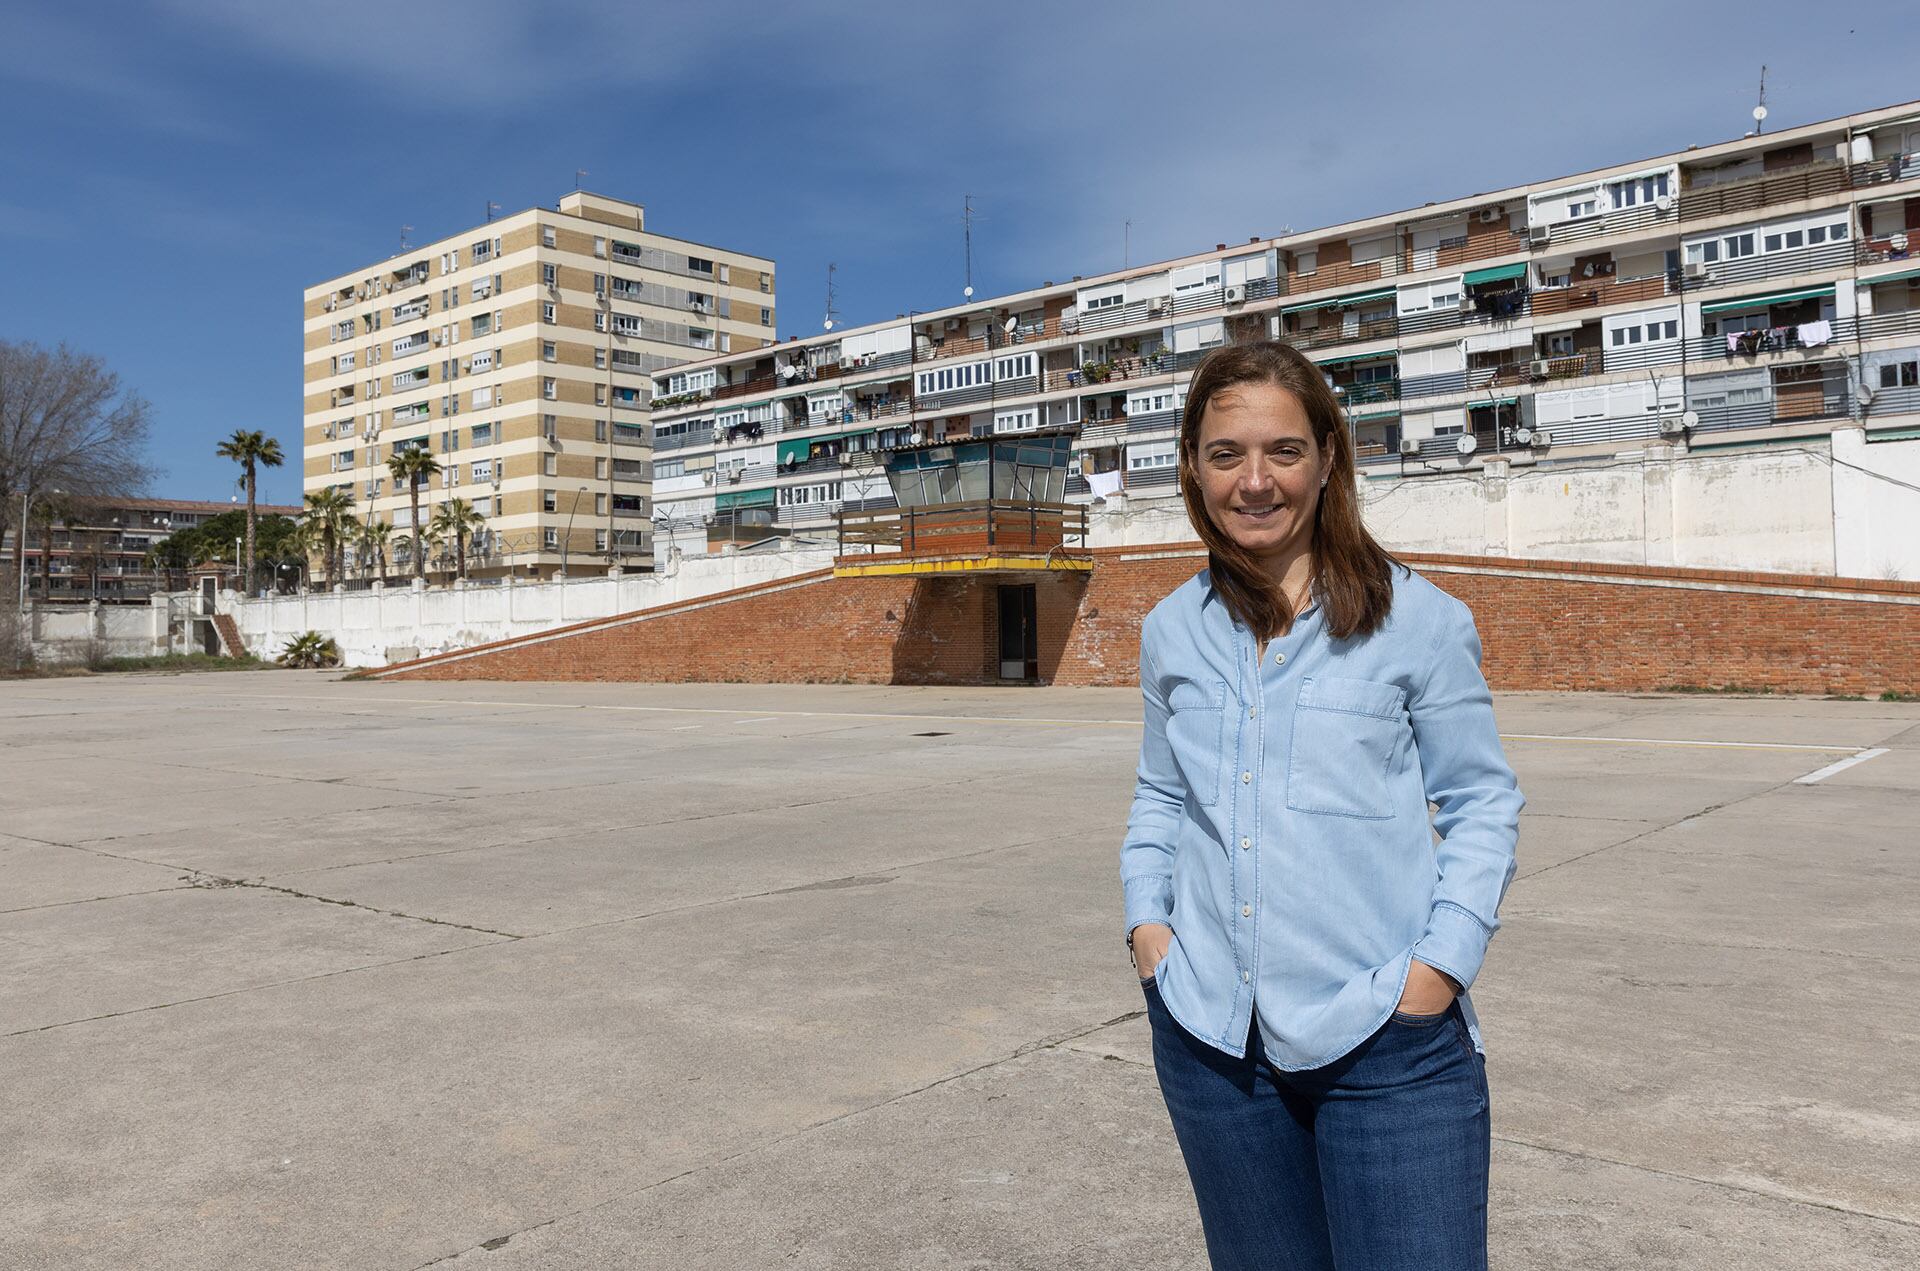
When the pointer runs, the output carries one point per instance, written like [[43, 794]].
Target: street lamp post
[[566, 539]]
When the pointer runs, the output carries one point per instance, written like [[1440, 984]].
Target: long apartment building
[[520, 353], [1754, 292], [97, 549]]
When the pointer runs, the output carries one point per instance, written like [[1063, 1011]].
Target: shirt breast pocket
[[1345, 733], [1196, 731]]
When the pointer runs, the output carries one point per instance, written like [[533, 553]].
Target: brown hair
[[1352, 573]]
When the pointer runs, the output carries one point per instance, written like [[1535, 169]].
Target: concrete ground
[[301, 973]]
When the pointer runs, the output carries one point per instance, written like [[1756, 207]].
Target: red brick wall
[[1543, 624]]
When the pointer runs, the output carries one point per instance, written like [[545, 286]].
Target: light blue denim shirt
[[1280, 817]]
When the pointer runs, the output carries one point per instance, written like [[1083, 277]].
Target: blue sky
[[173, 174]]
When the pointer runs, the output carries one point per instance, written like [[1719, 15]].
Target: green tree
[[375, 536], [329, 518], [252, 451], [456, 519], [415, 466]]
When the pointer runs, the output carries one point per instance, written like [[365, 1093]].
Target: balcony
[[1557, 300], [1344, 274], [747, 388], [1829, 176], [1628, 220], [984, 533], [1765, 340], [1365, 394], [1327, 336], [1778, 264], [1885, 170], [1116, 371]]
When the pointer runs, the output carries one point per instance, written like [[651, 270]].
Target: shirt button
[[1279, 659], [1245, 777], [1245, 843], [1246, 911], [1251, 712], [1245, 976]]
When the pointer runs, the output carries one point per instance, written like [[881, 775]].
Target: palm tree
[[456, 519], [329, 518], [416, 466], [251, 450], [374, 538]]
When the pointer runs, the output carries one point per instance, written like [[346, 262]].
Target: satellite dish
[[786, 372], [915, 439], [1012, 323], [967, 292], [1759, 113], [1523, 435], [1691, 419], [829, 325], [1466, 444]]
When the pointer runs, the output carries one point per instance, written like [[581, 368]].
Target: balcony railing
[[746, 388], [1362, 394], [1585, 295], [1885, 324], [1833, 401], [1799, 260], [1344, 274], [981, 527], [1884, 170], [1789, 186], [1327, 336], [1118, 370], [1626, 220], [1751, 344]]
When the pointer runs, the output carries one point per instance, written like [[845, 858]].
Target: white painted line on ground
[[681, 728], [764, 719], [1844, 764]]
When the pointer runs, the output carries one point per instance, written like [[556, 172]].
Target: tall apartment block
[[520, 353], [1751, 293]]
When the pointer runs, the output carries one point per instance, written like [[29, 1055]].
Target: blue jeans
[[1375, 1162]]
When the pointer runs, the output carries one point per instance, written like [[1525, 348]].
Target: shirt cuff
[[1149, 898], [1455, 943]]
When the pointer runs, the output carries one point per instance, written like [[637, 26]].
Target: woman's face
[[1259, 469]]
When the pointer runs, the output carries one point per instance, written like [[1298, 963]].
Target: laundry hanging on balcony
[[1815, 334]]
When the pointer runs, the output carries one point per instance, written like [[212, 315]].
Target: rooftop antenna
[[579, 175], [833, 313], [404, 231], [1760, 111], [492, 207], [1126, 250], [966, 217]]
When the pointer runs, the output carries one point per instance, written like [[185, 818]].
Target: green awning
[[1902, 276], [1498, 401], [743, 499], [800, 447], [1351, 357], [1340, 300], [1499, 273], [1772, 298]]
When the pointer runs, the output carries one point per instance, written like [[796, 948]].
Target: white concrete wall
[[382, 626], [1876, 503], [71, 633]]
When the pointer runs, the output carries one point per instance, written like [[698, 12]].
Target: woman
[[1304, 945]]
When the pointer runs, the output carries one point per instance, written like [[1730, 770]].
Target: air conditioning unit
[[1672, 426], [1157, 304], [1539, 235], [439, 338], [1466, 303], [1542, 439], [1409, 445], [330, 304], [952, 324], [1539, 367], [1236, 294], [706, 478], [733, 476], [1488, 215], [1696, 270]]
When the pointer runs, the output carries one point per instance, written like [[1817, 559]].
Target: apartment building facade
[[97, 549], [1750, 293], [520, 353]]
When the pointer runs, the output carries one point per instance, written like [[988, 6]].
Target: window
[[599, 359], [550, 275], [549, 502], [766, 316], [550, 388], [599, 320], [1637, 190], [600, 429], [599, 394], [599, 540], [549, 312], [1560, 344], [1899, 374], [482, 250], [1015, 420], [699, 265], [664, 468], [600, 506], [481, 324], [549, 351], [482, 398], [547, 237], [550, 427], [766, 282], [482, 435], [599, 247], [600, 469], [1113, 300], [550, 538], [1582, 205], [550, 465]]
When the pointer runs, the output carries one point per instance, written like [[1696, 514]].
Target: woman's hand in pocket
[[1428, 992], [1150, 941]]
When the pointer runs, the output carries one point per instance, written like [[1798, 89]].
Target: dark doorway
[[1019, 632]]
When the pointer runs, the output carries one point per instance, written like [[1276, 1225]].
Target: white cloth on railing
[[1104, 484], [1815, 334]]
